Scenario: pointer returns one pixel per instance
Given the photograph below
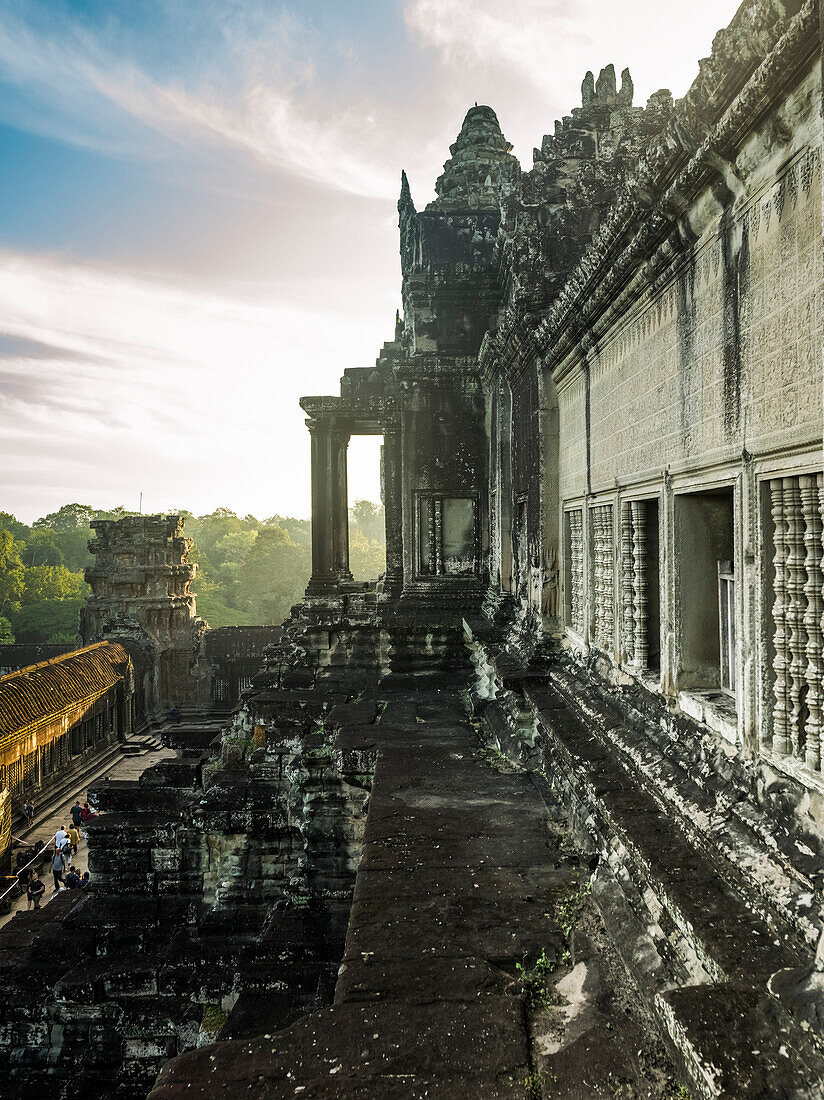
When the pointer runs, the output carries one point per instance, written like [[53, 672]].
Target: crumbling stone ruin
[[140, 584], [539, 813]]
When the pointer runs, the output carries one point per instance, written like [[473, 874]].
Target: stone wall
[[726, 355], [678, 416]]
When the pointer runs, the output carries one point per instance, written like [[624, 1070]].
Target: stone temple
[[539, 812]]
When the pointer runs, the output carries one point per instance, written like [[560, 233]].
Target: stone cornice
[[510, 350]]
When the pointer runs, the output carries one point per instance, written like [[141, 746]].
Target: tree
[[50, 621], [6, 635], [369, 519], [44, 583], [235, 546], [10, 523], [71, 517], [41, 548], [12, 573], [367, 557], [274, 576]]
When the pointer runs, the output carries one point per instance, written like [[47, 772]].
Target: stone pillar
[[340, 506], [330, 514], [392, 505]]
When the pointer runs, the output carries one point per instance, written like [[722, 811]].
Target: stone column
[[340, 506], [392, 509], [330, 516]]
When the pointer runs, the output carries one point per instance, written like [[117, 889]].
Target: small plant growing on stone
[[532, 1085], [213, 1019], [535, 980], [569, 910]]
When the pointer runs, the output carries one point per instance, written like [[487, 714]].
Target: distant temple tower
[[140, 584]]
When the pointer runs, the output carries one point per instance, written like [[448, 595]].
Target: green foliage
[[216, 613], [570, 908], [51, 582], [532, 1085], [50, 621], [213, 1019], [536, 980], [42, 547], [6, 634], [369, 519], [10, 523], [12, 574]]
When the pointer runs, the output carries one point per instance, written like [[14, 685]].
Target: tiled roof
[[41, 691]]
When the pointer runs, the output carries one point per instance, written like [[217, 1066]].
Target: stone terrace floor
[[467, 878]]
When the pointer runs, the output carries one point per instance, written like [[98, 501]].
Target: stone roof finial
[[471, 176]]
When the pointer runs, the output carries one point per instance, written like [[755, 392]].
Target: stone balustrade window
[[640, 599], [603, 574], [575, 568], [797, 515]]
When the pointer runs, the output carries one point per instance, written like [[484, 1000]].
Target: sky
[[198, 218]]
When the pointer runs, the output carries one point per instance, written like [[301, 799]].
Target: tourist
[[59, 837], [176, 713], [23, 876], [84, 881], [74, 838], [58, 866], [28, 811], [35, 891], [77, 814], [72, 879]]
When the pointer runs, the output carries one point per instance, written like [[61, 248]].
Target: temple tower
[[140, 594]]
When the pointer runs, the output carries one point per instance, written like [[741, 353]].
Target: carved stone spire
[[471, 176]]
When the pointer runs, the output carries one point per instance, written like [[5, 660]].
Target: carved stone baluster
[[609, 579], [796, 608], [598, 573], [819, 485], [573, 586], [577, 571], [627, 586], [639, 547], [437, 527], [812, 617], [781, 739]]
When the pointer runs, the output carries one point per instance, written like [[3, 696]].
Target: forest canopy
[[250, 571]]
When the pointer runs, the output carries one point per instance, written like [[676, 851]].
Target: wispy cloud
[[261, 98], [522, 36], [548, 45], [132, 383]]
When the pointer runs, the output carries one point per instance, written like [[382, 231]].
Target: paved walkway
[[458, 882], [46, 825]]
